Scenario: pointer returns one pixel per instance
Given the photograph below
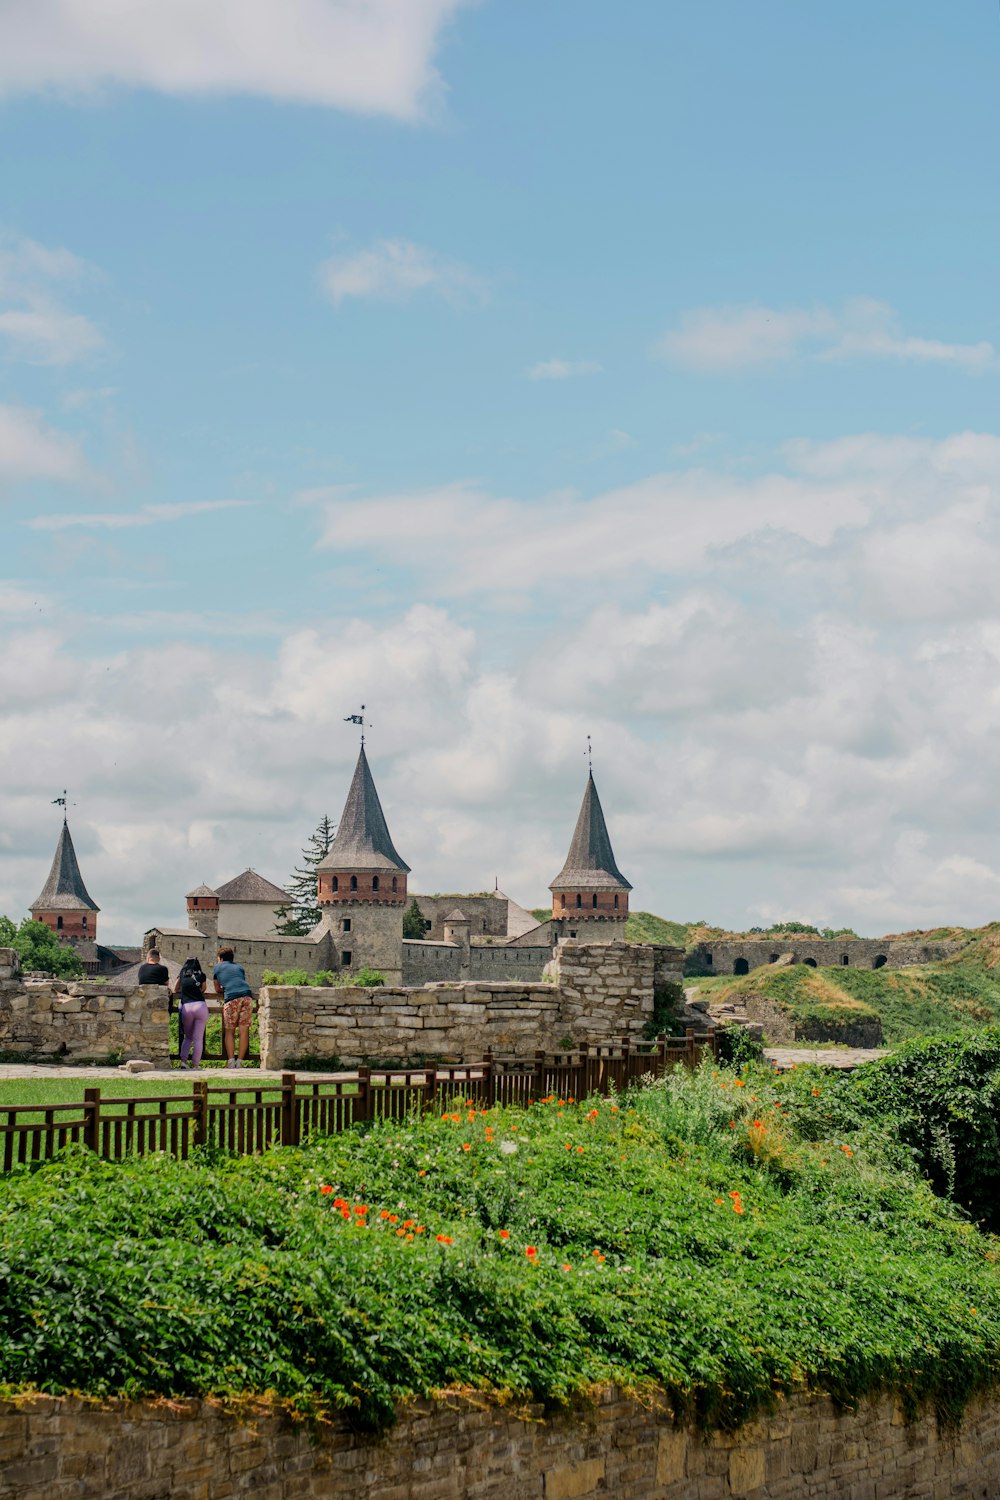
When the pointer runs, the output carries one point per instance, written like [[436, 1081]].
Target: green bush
[[737, 1047], [716, 1234]]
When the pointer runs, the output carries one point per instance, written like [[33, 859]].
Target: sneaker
[[232, 1063]]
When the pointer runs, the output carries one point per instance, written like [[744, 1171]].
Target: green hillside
[[949, 996]]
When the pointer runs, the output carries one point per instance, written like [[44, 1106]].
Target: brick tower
[[203, 910], [65, 903], [590, 893], [361, 884]]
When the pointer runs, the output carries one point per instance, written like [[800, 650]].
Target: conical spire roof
[[64, 890], [590, 863], [362, 841]]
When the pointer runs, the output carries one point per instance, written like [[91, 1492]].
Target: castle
[[362, 893], [67, 908]]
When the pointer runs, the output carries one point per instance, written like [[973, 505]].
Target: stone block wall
[[463, 1449], [599, 992], [54, 1021], [730, 954], [508, 961]]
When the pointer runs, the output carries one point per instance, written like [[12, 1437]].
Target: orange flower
[[325, 1189], [598, 1257], [419, 1229], [384, 1214], [579, 1150], [758, 1124], [394, 1218], [444, 1239], [466, 1146], [530, 1251], [505, 1234], [737, 1208], [816, 1093], [732, 1124], [614, 1109], [734, 1194], [720, 1200], [847, 1150], [421, 1173], [361, 1209], [401, 1231], [407, 1223], [569, 1145], [569, 1268]]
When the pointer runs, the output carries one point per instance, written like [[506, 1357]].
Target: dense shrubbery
[[365, 978], [726, 1235], [38, 947]]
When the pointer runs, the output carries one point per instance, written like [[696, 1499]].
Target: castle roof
[[202, 890], [590, 864], [456, 916], [362, 841], [64, 890], [248, 887]]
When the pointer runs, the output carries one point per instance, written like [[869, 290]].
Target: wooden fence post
[[92, 1119], [289, 1116], [538, 1082], [365, 1102], [490, 1080], [199, 1104], [690, 1051]]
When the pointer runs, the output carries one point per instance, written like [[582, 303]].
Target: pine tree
[[414, 925], [302, 913]]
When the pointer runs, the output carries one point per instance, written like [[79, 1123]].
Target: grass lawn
[[66, 1090]]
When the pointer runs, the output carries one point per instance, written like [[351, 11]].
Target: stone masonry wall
[[860, 953], [464, 1449], [56, 1021], [600, 992]]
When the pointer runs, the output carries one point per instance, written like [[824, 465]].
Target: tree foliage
[[302, 913], [38, 947], [414, 924]]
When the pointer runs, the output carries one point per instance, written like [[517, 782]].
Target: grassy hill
[[949, 996]]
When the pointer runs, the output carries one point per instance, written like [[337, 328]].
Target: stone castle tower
[[65, 904], [590, 893], [361, 884], [203, 910]]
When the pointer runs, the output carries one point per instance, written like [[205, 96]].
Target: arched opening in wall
[[354, 882], [374, 883], [59, 924], [616, 903], [336, 883], [879, 961], [773, 959], [394, 885], [845, 959], [579, 899], [810, 963], [741, 966], [593, 899], [562, 902]]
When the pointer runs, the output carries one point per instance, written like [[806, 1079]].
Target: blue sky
[[523, 371]]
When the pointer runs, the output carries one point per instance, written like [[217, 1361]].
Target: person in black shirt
[[190, 991], [152, 971]]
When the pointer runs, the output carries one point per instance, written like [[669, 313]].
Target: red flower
[[325, 1189], [444, 1239], [505, 1234], [530, 1251]]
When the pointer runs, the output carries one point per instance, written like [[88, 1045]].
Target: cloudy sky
[[523, 371]]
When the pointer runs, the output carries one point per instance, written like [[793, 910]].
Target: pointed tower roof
[[362, 841], [64, 890], [590, 863], [199, 891]]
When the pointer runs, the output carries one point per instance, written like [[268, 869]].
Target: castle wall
[[257, 955], [374, 941], [463, 1448], [56, 1021], [599, 992], [428, 962], [588, 927], [509, 961], [487, 915], [861, 953], [253, 919]]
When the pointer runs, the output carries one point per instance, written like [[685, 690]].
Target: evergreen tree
[[302, 913], [414, 925]]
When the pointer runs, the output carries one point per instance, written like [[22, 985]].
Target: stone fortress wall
[[463, 1448], [57, 1021], [740, 955], [599, 992]]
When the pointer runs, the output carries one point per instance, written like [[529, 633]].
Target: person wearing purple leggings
[[190, 991]]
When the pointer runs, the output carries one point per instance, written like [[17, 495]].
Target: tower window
[[354, 882], [59, 924], [594, 898], [345, 958], [562, 902], [616, 903], [394, 885], [84, 921], [374, 883], [579, 899], [345, 925], [336, 883]]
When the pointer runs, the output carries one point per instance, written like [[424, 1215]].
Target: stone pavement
[[826, 1057]]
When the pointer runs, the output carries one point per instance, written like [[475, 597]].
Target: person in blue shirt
[[237, 1006]]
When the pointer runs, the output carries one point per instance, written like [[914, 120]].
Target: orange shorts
[[237, 1012]]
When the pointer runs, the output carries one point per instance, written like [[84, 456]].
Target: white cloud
[[719, 339], [30, 449], [34, 326], [371, 56], [146, 515], [394, 271], [562, 369]]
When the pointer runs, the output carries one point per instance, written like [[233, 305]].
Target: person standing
[[237, 1006], [152, 971], [193, 1016]]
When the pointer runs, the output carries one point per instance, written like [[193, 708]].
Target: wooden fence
[[249, 1117]]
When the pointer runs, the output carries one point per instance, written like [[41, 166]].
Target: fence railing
[[246, 1118]]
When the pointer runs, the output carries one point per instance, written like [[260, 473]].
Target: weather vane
[[61, 802], [589, 754], [358, 719]]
